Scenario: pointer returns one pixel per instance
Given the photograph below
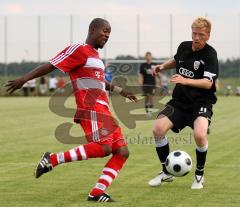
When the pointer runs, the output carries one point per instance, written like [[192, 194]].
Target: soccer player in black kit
[[196, 66], [147, 81]]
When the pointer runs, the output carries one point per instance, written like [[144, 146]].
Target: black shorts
[[182, 117], [148, 90], [32, 89]]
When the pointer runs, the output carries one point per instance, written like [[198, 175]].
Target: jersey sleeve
[[178, 51], [70, 58], [211, 67]]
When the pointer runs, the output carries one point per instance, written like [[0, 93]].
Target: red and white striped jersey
[[86, 71]]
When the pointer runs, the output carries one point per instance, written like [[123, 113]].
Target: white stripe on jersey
[[94, 126], [69, 51], [63, 56], [102, 102], [94, 63], [57, 58], [86, 83], [209, 75]]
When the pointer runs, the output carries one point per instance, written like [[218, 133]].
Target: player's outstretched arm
[[169, 64], [122, 92], [128, 95], [41, 70]]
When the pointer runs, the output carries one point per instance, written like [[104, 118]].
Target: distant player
[[147, 81], [104, 136], [196, 66], [52, 84]]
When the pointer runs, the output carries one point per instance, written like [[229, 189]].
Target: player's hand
[[156, 69], [178, 79], [13, 85], [128, 95]]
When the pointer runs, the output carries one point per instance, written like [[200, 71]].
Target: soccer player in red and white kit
[[104, 136]]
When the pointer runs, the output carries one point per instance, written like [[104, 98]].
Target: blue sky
[[154, 25]]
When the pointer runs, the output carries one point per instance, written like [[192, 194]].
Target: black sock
[[147, 108], [201, 159], [163, 152]]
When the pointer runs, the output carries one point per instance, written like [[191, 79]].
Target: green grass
[[27, 129]]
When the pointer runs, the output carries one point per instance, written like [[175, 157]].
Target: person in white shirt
[[52, 85], [32, 87]]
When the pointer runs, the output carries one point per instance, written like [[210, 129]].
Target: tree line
[[228, 68]]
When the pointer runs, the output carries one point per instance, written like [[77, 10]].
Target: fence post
[[5, 47]]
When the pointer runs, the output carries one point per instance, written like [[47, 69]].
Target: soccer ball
[[178, 163]]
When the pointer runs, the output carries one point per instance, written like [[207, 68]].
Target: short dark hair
[[148, 53], [97, 23]]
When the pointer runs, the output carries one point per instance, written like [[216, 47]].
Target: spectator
[[229, 90], [238, 91], [52, 85], [25, 89], [108, 75], [147, 81], [32, 87], [42, 86]]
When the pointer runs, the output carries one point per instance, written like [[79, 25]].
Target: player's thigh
[[98, 124], [118, 140], [120, 147]]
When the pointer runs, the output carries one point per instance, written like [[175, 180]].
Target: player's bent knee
[[200, 138], [123, 152], [107, 149], [200, 135], [158, 132]]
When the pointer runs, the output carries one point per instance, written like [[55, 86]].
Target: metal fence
[[38, 38]]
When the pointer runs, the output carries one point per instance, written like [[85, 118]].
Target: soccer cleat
[[44, 165], [101, 198], [161, 177], [198, 182]]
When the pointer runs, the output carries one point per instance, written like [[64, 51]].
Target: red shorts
[[100, 126]]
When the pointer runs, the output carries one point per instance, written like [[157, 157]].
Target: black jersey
[[195, 65], [146, 71]]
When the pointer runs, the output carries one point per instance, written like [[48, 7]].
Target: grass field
[[27, 129]]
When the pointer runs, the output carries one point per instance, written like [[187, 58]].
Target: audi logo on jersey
[[186, 72]]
